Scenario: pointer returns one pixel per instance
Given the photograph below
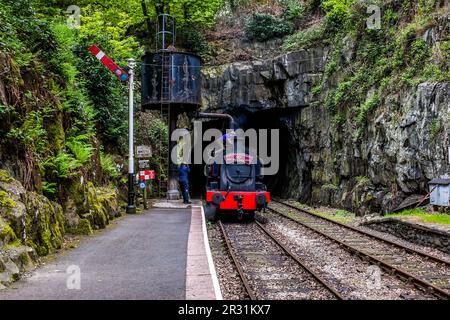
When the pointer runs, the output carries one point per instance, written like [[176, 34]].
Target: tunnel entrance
[[280, 184], [286, 178]]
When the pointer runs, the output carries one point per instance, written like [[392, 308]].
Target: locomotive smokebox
[[170, 77]]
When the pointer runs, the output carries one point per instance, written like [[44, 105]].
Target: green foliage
[[7, 235], [263, 27], [344, 213], [49, 189], [63, 165], [198, 13], [81, 149], [304, 38], [423, 215], [339, 96], [435, 128], [445, 49], [369, 105], [338, 120], [295, 10], [337, 12], [381, 61], [153, 131], [31, 133], [330, 187], [194, 41], [109, 166], [6, 201], [362, 181]]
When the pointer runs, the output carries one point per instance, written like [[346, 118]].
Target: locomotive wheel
[[211, 212]]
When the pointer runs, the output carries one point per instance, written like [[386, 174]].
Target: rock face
[[403, 146], [33, 219], [282, 82], [31, 225]]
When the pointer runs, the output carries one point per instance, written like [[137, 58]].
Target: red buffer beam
[[108, 62]]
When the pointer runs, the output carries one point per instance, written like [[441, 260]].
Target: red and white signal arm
[[108, 62], [147, 175]]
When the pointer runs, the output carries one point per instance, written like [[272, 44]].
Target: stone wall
[[415, 233], [282, 82]]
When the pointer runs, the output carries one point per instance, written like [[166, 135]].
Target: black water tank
[[171, 77]]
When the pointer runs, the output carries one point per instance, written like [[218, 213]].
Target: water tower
[[171, 83]]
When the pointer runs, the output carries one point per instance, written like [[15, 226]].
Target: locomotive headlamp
[[260, 200]]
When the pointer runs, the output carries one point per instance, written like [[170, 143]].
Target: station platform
[[161, 254]]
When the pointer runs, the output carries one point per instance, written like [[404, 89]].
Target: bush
[[263, 27], [337, 12], [194, 41], [294, 10]]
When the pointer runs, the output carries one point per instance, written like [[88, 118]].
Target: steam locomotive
[[235, 187]]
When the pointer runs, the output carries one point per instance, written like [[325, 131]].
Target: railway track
[[268, 269], [425, 271]]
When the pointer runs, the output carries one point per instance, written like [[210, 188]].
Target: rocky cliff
[[325, 161]]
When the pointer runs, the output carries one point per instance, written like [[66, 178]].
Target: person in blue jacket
[[183, 172]]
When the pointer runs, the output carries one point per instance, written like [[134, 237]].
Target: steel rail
[[440, 293], [423, 254], [311, 272], [238, 265]]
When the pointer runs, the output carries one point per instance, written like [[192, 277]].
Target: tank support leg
[[172, 188]]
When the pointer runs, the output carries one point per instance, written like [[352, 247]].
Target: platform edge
[[212, 268]]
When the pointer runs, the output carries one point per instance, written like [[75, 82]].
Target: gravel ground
[[414, 246], [229, 280], [355, 221], [347, 273], [433, 272], [271, 273], [350, 275]]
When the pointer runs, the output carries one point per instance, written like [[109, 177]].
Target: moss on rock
[[56, 133], [7, 234], [6, 201], [44, 225], [5, 176], [83, 228]]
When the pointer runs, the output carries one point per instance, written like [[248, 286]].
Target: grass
[[424, 216], [342, 216]]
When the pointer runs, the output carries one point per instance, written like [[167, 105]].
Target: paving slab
[[201, 277]]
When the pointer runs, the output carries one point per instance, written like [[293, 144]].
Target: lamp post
[[131, 208]]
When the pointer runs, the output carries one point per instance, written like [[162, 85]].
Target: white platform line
[[212, 268]]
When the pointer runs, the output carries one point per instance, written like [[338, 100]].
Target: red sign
[[108, 62], [147, 175]]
